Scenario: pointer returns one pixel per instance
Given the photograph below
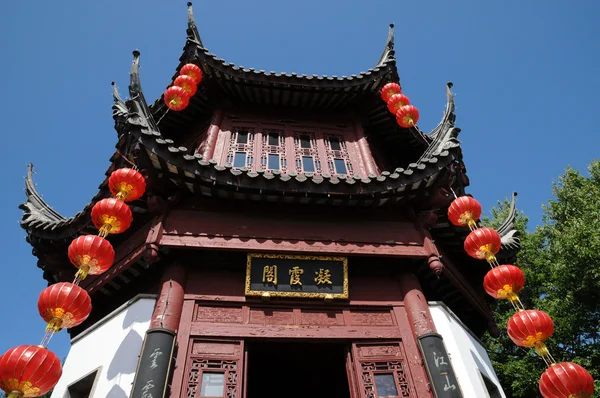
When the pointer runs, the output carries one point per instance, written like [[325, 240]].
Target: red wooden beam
[[442, 263], [230, 243], [295, 331]]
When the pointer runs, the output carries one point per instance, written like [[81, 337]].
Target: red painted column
[[365, 151], [156, 357], [416, 305], [208, 152], [419, 319], [167, 311]]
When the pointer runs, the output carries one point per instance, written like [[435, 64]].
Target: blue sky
[[525, 73]]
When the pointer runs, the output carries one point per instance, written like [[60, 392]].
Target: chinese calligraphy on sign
[[296, 276], [323, 276], [439, 368], [270, 274]]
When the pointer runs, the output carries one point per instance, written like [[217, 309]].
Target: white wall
[[466, 353], [113, 344]]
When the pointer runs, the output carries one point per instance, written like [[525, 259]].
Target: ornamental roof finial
[[388, 51], [119, 108], [192, 30]]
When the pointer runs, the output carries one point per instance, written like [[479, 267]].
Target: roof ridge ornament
[[119, 108], [448, 118], [445, 135], [388, 51], [35, 198], [137, 102], [509, 235], [192, 29]]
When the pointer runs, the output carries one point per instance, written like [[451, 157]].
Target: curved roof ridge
[[35, 204], [449, 117], [47, 222], [445, 135], [137, 100], [389, 54], [192, 30], [119, 108], [511, 243]]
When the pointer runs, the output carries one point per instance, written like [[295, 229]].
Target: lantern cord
[[162, 117], [133, 165], [162, 317], [47, 337]]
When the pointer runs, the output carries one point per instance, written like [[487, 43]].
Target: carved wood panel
[[381, 370], [374, 318], [276, 315], [322, 317], [206, 313], [220, 360], [248, 320]]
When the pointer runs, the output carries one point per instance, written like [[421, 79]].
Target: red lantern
[[187, 83], [530, 328], [91, 254], [464, 211], [29, 371], [127, 184], [192, 71], [504, 282], [64, 305], [390, 89], [483, 243], [566, 380], [407, 116], [176, 98], [111, 216], [396, 102]]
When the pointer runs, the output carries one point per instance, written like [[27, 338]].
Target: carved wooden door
[[214, 369], [380, 371]]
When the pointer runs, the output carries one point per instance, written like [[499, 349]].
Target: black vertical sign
[[438, 366], [154, 367]]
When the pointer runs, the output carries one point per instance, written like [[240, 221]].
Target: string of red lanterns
[[31, 371], [177, 97], [407, 115], [526, 328]]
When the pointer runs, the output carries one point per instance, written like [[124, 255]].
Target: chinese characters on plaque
[[439, 368], [296, 276]]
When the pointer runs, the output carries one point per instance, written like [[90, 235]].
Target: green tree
[[561, 261]]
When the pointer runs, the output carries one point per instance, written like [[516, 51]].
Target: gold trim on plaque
[[271, 293]]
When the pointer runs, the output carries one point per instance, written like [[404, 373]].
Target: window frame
[[324, 141], [97, 371]]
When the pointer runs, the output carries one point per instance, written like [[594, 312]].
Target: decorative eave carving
[[119, 110], [445, 136], [511, 243], [448, 117], [192, 30], [389, 54], [47, 222]]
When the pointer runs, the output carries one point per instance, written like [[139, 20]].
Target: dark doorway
[[296, 370]]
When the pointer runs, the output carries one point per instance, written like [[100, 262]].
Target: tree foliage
[[561, 261]]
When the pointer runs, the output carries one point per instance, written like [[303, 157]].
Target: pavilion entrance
[[296, 369]]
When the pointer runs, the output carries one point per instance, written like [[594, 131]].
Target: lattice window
[[338, 159], [384, 379], [273, 150], [241, 148], [307, 156], [213, 378]]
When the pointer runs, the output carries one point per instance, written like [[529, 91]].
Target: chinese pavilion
[[293, 241]]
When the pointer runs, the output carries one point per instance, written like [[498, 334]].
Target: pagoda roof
[[150, 130], [224, 81]]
